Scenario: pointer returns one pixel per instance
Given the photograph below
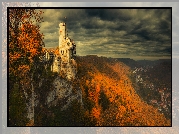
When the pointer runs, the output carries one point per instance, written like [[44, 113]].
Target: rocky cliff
[[62, 93]]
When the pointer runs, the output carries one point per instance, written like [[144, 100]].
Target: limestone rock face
[[62, 94], [55, 67]]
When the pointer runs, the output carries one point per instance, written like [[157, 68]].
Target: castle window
[[62, 51]]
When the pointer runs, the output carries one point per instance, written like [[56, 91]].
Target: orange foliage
[[56, 51], [25, 39], [96, 112], [126, 106]]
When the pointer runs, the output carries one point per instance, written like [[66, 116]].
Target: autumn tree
[[25, 46]]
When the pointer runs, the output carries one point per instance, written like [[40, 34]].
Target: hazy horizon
[[134, 58]]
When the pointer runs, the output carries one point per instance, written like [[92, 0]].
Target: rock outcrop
[[63, 94]]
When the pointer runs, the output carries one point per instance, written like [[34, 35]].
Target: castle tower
[[63, 50], [67, 47], [62, 33], [67, 50]]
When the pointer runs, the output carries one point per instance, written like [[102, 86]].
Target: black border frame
[[78, 8]]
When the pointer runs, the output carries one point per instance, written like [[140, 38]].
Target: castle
[[64, 62]]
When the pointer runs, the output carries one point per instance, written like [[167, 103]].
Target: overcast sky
[[121, 33]]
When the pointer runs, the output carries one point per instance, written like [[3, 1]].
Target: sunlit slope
[[109, 96]]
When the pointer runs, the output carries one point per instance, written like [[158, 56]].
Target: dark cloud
[[112, 32]]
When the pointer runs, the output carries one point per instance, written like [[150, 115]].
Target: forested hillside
[[109, 95], [109, 98]]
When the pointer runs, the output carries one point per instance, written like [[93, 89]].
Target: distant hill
[[142, 63], [129, 62]]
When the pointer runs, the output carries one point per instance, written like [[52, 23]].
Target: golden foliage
[[96, 112], [25, 39], [126, 108]]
